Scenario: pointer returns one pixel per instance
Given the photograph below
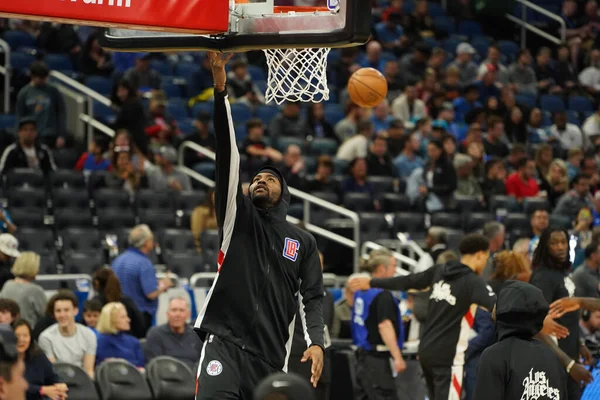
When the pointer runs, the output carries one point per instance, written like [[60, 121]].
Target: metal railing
[[306, 198], [526, 26], [401, 258], [6, 72]]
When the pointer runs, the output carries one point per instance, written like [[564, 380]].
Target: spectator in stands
[[543, 159], [9, 250], [467, 103], [256, 149], [535, 131], [379, 163], [493, 143], [240, 87], [413, 65], [342, 312], [141, 76], [408, 108], [348, 126], [47, 320], [131, 115], [343, 68], [466, 184], [517, 152], [44, 103], [289, 122], [515, 125], [323, 180], [435, 242], [486, 85], [68, 341], [108, 289], [493, 58], [136, 273], [9, 311], [204, 218], [391, 33], [394, 79], [591, 125], [476, 152], [566, 76], [161, 127], [6, 226], [166, 177], [294, 167], [495, 175], [464, 62], [201, 136], [437, 62], [113, 342], [357, 181], [589, 328], [496, 234], [175, 338], [23, 290], [396, 138], [449, 143], [545, 74], [569, 134], [408, 160], [94, 59], [438, 176], [43, 382], [381, 117], [539, 222], [317, 125], [428, 87], [589, 78], [357, 145], [26, 152], [587, 277], [589, 166], [521, 76], [93, 159], [521, 183], [124, 175], [373, 57], [578, 197], [59, 38], [451, 83], [574, 158], [91, 313], [556, 182]]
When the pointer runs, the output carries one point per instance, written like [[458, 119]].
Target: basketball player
[[265, 267]]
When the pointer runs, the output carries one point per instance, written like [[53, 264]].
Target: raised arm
[[418, 281]]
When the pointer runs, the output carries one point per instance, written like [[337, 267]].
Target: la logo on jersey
[[214, 368], [538, 386], [290, 249], [441, 291]]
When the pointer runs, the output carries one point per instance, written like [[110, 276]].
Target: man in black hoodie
[[266, 266], [457, 289], [519, 366]]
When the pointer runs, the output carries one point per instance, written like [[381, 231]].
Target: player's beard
[[263, 199]]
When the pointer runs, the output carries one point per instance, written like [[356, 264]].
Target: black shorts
[[227, 372]]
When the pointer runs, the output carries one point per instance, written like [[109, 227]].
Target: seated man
[[68, 341], [176, 338]]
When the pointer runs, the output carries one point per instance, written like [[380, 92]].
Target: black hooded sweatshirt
[[266, 265], [518, 366], [456, 290]]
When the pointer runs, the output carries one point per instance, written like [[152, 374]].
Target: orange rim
[[302, 9]]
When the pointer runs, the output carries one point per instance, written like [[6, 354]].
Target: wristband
[[570, 366]]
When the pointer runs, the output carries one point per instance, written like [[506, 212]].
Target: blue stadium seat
[[171, 90], [284, 142], [206, 169], [509, 49], [445, 24], [241, 132], [340, 167], [469, 28], [240, 113], [573, 117], [58, 62], [333, 115], [161, 66], [186, 69], [100, 84], [103, 113], [18, 39], [256, 73], [321, 146], [266, 113], [8, 121], [546, 118], [552, 103], [450, 45], [186, 126], [580, 104], [436, 10], [334, 56], [202, 107], [21, 61], [177, 109], [526, 100], [261, 85]]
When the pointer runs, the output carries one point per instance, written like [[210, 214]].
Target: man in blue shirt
[[408, 160], [467, 103], [137, 274]]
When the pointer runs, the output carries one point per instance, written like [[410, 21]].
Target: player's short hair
[[473, 243]]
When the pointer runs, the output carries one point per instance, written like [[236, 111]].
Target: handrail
[[6, 71], [97, 124], [522, 22], [307, 198], [398, 256]]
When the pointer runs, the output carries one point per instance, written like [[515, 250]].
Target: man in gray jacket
[[570, 202], [464, 62], [521, 76]]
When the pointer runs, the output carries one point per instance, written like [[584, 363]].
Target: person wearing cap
[[283, 386], [26, 152], [166, 176], [267, 268], [9, 250], [13, 385], [43, 102], [487, 85], [521, 77], [141, 76], [464, 62]]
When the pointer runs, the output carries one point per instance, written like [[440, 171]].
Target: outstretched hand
[[563, 306], [552, 327], [359, 283], [314, 353], [217, 66]]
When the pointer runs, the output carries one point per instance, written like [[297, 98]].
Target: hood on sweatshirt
[[279, 211], [520, 310], [454, 270]]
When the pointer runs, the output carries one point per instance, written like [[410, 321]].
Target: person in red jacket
[[521, 183]]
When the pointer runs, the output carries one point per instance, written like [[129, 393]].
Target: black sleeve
[[7, 162], [448, 181], [490, 383], [311, 292], [546, 284], [386, 308], [421, 280], [482, 294]]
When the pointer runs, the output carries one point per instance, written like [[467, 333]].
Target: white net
[[297, 75]]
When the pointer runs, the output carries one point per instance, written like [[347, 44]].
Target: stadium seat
[[65, 178], [561, 221], [104, 113], [580, 104], [573, 117], [112, 198], [284, 142], [81, 386], [358, 201], [40, 241], [26, 197], [447, 220], [120, 380], [210, 240], [73, 217], [323, 146], [266, 113], [178, 241], [373, 226], [25, 177], [445, 24], [21, 61], [177, 109], [525, 100], [147, 199], [81, 240], [394, 202], [475, 221], [171, 90], [410, 222], [97, 180], [17, 39], [517, 222], [509, 49], [170, 379], [204, 107], [333, 115], [532, 204], [48, 263], [76, 200], [256, 73], [162, 67], [340, 167], [382, 184], [112, 219], [187, 264], [100, 84], [157, 219], [59, 62], [436, 10], [467, 203], [240, 113], [186, 69], [83, 262], [8, 121], [190, 199], [28, 217], [508, 203], [469, 28], [552, 103]]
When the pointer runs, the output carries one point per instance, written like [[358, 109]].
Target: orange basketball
[[367, 87]]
